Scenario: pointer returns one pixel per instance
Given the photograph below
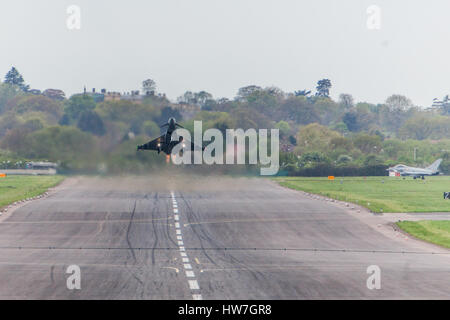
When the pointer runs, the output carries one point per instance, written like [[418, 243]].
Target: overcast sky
[[221, 45]]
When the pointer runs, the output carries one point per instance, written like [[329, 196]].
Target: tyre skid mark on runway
[[155, 243], [131, 249], [203, 235], [130, 222], [190, 216], [190, 275]]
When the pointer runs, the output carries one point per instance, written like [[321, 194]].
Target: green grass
[[437, 232], [394, 195], [15, 188]]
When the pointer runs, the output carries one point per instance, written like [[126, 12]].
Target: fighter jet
[[165, 144], [404, 170]]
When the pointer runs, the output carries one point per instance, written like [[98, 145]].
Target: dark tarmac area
[[191, 237]]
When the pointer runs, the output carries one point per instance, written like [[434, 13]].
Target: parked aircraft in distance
[[404, 170]]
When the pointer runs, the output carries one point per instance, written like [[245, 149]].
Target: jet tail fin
[[435, 165]]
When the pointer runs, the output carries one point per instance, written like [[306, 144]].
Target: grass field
[[14, 188], [379, 194], [437, 232]]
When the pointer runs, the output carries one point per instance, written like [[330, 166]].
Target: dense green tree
[[169, 112], [150, 128], [71, 147], [77, 104], [90, 121], [323, 88], [13, 77], [398, 102], [346, 100], [247, 91], [284, 128], [314, 138], [299, 110], [358, 120], [367, 143], [302, 93]]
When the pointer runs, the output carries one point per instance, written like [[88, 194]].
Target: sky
[[403, 47]]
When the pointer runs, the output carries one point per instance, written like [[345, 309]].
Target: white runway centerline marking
[[193, 285], [192, 282], [190, 274]]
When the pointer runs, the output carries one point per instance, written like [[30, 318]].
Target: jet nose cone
[[172, 121]]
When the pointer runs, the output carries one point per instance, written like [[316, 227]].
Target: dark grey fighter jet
[[165, 144]]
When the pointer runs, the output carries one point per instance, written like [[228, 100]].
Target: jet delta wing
[[415, 172], [165, 144]]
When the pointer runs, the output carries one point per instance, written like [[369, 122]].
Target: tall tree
[[202, 97], [13, 77], [398, 102], [244, 92], [346, 100], [323, 88]]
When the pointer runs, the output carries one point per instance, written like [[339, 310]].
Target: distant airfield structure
[[32, 168]]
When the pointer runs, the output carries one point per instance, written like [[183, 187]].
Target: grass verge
[[437, 232], [15, 188], [379, 194]]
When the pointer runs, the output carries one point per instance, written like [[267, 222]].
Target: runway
[[194, 237]]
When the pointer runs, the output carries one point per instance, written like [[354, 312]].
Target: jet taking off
[[403, 170], [165, 144]]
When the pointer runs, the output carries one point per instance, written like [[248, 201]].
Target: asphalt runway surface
[[207, 238]]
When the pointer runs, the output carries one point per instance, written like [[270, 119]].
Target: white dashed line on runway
[[190, 274], [193, 284]]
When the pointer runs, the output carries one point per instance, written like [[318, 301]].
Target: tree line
[[88, 132]]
